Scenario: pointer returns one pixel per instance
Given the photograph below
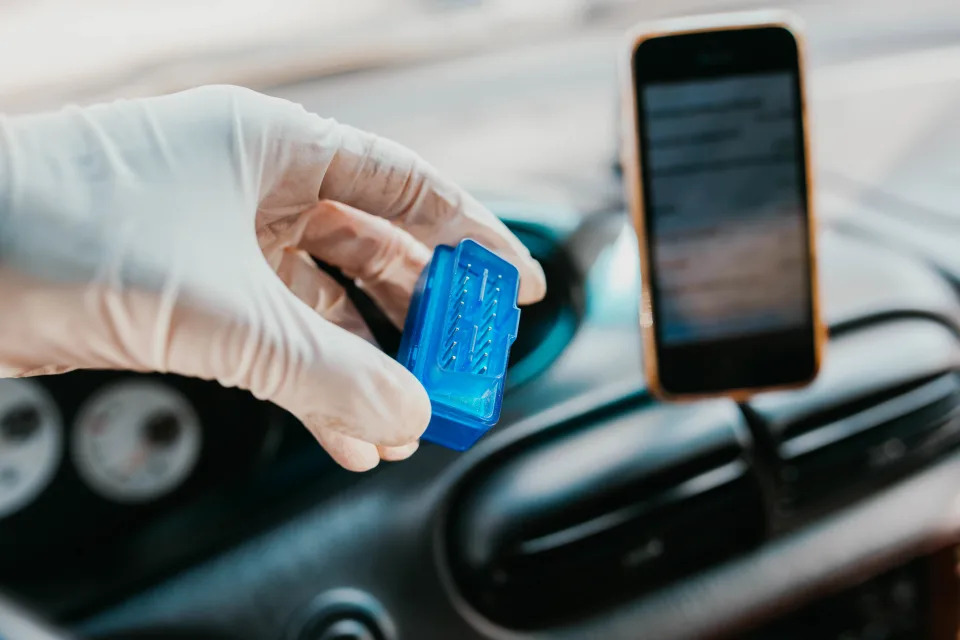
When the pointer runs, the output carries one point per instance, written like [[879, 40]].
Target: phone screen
[[727, 203], [726, 211]]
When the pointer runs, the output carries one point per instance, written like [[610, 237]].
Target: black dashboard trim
[[918, 516]]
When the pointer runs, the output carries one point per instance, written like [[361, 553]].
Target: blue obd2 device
[[456, 339]]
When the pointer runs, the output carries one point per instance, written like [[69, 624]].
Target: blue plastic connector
[[456, 339]]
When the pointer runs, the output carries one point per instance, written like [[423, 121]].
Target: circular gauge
[[136, 440], [31, 442]]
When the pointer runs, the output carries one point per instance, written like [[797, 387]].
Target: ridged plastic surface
[[456, 340]]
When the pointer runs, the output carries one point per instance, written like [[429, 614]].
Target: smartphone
[[717, 169]]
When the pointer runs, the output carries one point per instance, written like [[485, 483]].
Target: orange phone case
[[630, 157]]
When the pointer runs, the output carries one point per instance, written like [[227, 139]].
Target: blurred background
[[518, 101], [541, 77]]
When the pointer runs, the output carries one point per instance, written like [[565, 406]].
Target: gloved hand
[[174, 234]]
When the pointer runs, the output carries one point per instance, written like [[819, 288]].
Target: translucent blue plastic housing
[[456, 339]]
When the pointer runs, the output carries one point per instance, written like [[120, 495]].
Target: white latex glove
[[174, 234]]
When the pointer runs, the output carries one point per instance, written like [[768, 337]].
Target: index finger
[[387, 179]]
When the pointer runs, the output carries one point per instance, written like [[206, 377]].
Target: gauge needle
[[136, 461]]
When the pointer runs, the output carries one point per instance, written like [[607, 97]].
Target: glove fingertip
[[415, 412], [350, 453], [533, 283], [395, 454]]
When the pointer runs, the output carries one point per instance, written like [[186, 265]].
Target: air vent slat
[[862, 368], [884, 448], [901, 406], [887, 400], [605, 523]]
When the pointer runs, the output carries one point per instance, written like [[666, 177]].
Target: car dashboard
[[591, 511]]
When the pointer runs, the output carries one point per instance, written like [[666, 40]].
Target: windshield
[[460, 81], [70, 50], [78, 51]]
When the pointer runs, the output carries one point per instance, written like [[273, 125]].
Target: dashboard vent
[[546, 327], [887, 400], [601, 510]]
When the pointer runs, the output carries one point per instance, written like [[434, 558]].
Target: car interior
[[592, 510]]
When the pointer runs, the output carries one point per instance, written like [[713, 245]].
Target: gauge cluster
[[136, 440], [131, 442], [31, 443], [123, 477]]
